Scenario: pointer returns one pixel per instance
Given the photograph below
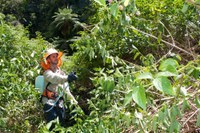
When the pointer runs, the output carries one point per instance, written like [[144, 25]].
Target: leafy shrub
[[137, 85], [134, 81], [19, 65]]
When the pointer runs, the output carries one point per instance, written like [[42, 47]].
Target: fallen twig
[[190, 117]]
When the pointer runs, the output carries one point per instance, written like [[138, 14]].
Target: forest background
[[137, 60]]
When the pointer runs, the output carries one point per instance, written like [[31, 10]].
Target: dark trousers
[[54, 113]]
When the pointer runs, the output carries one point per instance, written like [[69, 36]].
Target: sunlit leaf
[[138, 115], [146, 75], [108, 84], [136, 55], [118, 73], [133, 46], [169, 65], [114, 9], [49, 124], [185, 8], [183, 91], [165, 74], [163, 84], [128, 98], [126, 2], [101, 2], [139, 96]]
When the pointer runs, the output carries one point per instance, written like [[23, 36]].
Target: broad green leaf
[[114, 9], [185, 105], [49, 124], [197, 2], [108, 84], [161, 116], [139, 96], [118, 73], [163, 84], [196, 73], [174, 127], [169, 65], [126, 2], [165, 74], [175, 112], [146, 75], [101, 2], [110, 71], [185, 8], [128, 98], [136, 55]]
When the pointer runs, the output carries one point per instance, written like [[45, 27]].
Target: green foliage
[[150, 93], [64, 20], [65, 27], [129, 61], [19, 65]]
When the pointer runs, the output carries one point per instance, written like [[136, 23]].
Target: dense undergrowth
[[138, 65], [19, 66]]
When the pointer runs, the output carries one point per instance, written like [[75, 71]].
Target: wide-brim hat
[[45, 64], [52, 51]]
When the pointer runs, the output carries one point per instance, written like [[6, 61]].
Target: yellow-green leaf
[[126, 2], [101, 2]]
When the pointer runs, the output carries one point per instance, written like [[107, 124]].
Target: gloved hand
[[71, 77]]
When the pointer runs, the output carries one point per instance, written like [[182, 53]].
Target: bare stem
[[168, 43]]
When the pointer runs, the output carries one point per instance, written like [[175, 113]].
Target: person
[[55, 79]]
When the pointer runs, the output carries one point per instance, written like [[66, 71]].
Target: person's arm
[[55, 78]]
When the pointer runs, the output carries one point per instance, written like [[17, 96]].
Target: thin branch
[[170, 44], [190, 117], [164, 99], [173, 42]]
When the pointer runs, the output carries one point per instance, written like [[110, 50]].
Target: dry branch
[[168, 43]]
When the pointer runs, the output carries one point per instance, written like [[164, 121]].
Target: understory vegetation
[[137, 61]]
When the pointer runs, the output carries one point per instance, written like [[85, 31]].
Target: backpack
[[39, 83], [40, 86]]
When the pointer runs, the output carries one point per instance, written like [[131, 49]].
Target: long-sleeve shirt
[[56, 80]]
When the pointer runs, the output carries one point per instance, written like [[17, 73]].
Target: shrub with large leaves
[[140, 79]]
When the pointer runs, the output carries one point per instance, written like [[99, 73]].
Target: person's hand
[[71, 77]]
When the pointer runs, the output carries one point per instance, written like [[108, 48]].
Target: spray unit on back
[[39, 83]]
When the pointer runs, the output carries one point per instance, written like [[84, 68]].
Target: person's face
[[53, 59]]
